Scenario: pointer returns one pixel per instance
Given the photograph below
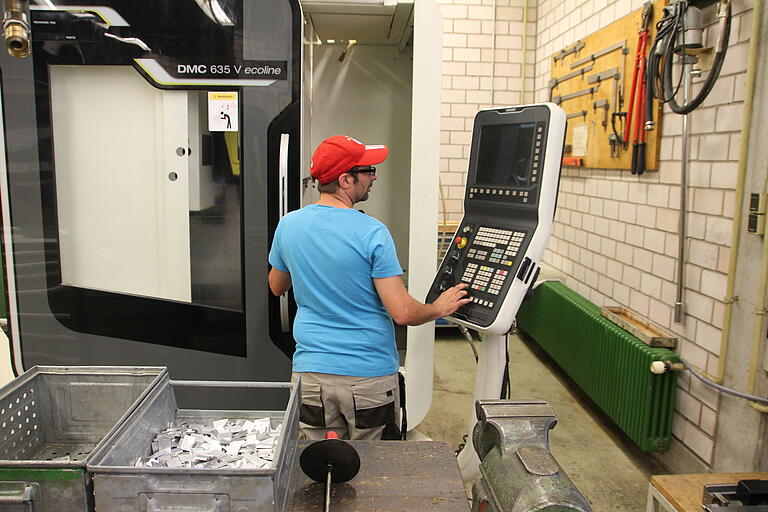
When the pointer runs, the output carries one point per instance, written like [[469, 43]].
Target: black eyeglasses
[[371, 170]]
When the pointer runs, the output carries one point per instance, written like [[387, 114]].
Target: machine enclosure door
[[144, 218], [136, 230]]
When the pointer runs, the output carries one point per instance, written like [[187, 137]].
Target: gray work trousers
[[353, 407]]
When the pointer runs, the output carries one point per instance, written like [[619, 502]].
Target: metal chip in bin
[[52, 418], [120, 486]]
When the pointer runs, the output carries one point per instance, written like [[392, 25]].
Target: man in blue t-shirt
[[346, 280]]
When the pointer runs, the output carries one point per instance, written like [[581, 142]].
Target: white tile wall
[[615, 235], [475, 76], [688, 406], [708, 421]]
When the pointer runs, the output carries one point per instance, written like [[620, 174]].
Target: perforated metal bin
[[52, 418], [120, 486]]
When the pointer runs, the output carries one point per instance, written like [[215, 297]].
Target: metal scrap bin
[[120, 486], [52, 419]]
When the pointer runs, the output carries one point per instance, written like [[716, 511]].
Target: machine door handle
[[172, 502], [282, 163], [17, 492], [285, 138]]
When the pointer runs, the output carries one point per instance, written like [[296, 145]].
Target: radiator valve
[[660, 367]]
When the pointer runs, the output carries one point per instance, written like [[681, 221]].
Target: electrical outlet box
[[756, 217]]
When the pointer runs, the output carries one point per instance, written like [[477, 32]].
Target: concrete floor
[[605, 465]]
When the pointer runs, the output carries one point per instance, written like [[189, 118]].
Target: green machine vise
[[519, 474]]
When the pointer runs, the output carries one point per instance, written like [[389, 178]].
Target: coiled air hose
[[676, 32]]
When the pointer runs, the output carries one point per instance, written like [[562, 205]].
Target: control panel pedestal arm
[[488, 380]]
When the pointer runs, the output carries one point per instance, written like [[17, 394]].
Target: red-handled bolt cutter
[[636, 110]]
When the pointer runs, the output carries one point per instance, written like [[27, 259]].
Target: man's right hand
[[451, 300], [405, 310]]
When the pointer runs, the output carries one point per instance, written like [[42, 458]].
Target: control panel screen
[[504, 157]]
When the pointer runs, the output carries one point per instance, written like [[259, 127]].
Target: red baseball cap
[[338, 154]]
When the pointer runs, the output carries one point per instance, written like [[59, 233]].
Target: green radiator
[[611, 365]]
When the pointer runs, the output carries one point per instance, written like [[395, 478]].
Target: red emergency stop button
[[461, 241]]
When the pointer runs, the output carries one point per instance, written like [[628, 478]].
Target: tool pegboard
[[592, 80]]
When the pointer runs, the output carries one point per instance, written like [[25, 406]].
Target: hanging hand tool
[[581, 113], [573, 49], [330, 460], [598, 54], [618, 89], [605, 105], [559, 99], [557, 81], [618, 141], [638, 145], [615, 139], [614, 74], [575, 161], [613, 142], [603, 75], [636, 110]]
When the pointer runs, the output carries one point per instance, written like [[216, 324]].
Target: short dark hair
[[332, 186], [328, 188]]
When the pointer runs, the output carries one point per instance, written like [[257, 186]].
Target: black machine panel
[[250, 48]]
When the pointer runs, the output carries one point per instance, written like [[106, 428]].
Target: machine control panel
[[487, 264], [509, 206]]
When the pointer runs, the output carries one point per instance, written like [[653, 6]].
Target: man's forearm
[[418, 313], [405, 310]]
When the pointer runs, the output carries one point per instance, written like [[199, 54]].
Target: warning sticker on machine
[[222, 111]]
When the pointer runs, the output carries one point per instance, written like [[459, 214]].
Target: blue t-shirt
[[333, 254]]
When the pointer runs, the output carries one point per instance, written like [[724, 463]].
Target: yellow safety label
[[222, 96]]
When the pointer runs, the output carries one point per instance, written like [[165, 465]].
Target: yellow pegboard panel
[[582, 82]]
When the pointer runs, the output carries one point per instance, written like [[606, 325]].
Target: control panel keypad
[[477, 253], [486, 303], [502, 244], [489, 258], [469, 272]]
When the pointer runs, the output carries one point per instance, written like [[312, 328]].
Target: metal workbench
[[394, 476]]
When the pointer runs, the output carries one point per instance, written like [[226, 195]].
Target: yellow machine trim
[[231, 139]]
